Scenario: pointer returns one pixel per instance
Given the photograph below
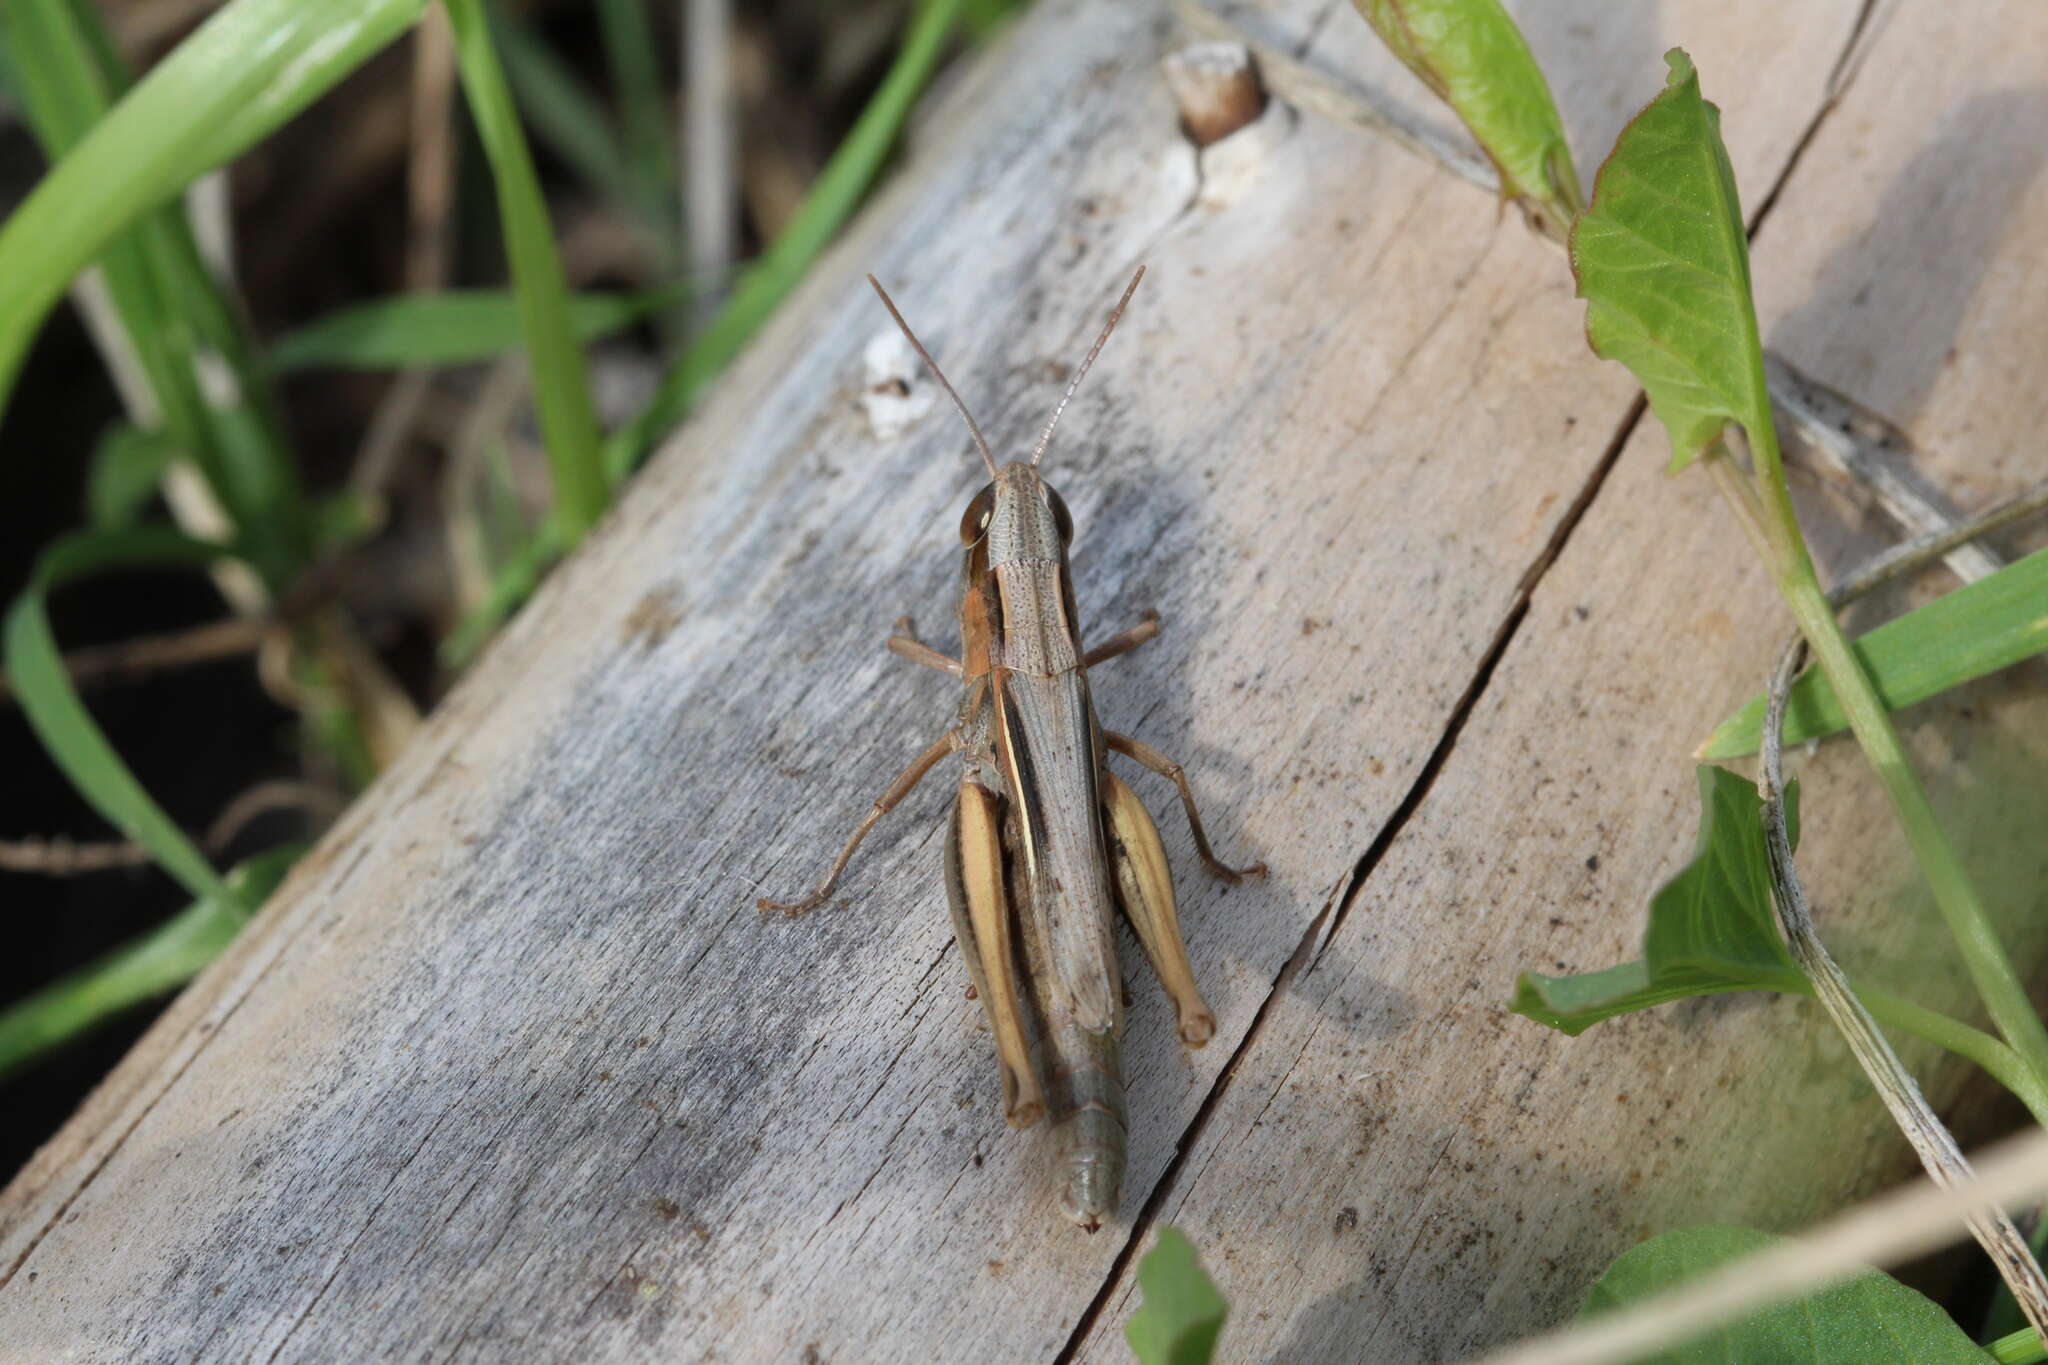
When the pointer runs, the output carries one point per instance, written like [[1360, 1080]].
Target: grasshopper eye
[[1061, 517], [974, 525]]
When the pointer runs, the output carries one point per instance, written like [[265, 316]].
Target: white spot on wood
[[896, 393]]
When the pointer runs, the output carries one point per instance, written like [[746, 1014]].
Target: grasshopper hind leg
[[978, 897], [1144, 888]]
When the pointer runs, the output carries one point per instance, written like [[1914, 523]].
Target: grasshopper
[[1044, 838]]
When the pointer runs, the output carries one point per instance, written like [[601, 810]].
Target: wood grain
[[512, 1069]]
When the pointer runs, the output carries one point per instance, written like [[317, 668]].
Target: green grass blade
[[1183, 1311], [35, 669], [127, 465], [1471, 54], [2021, 1347], [146, 966], [1663, 265], [630, 53], [831, 201], [1975, 630], [513, 584], [454, 327], [171, 311], [246, 70], [565, 114], [561, 386]]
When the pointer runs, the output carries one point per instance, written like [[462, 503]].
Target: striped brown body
[[1043, 762], [1044, 840]]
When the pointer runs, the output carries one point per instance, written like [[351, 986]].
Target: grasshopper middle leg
[[1123, 642], [904, 644], [1172, 772], [886, 802]]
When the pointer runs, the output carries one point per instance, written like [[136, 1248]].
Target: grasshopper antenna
[[987, 456], [1045, 440]]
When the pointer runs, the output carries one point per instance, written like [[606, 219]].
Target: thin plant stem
[[2004, 996], [1930, 1138], [1997, 1060]]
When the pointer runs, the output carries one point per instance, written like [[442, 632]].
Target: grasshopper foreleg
[[886, 802], [1172, 772]]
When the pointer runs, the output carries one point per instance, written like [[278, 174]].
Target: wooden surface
[[512, 1069]]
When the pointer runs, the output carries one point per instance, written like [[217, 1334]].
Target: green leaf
[[1712, 927], [127, 465], [1869, 1318], [561, 384], [454, 327], [171, 315], [35, 669], [146, 966], [1663, 264], [633, 57], [565, 114], [246, 70], [827, 205], [1183, 1312], [1979, 628], [512, 584], [1470, 53]]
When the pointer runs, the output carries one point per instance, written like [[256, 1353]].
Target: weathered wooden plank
[[1399, 1171], [513, 1069]]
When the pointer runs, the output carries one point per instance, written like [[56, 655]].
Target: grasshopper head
[[1021, 515]]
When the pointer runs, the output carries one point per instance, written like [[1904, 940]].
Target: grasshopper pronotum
[[1044, 837]]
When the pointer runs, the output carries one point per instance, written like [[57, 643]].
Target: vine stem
[[1983, 955], [1997, 1060], [1916, 1119]]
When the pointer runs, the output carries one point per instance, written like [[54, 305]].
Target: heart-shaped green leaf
[[1183, 1311], [1663, 264], [1860, 1321], [1712, 927]]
